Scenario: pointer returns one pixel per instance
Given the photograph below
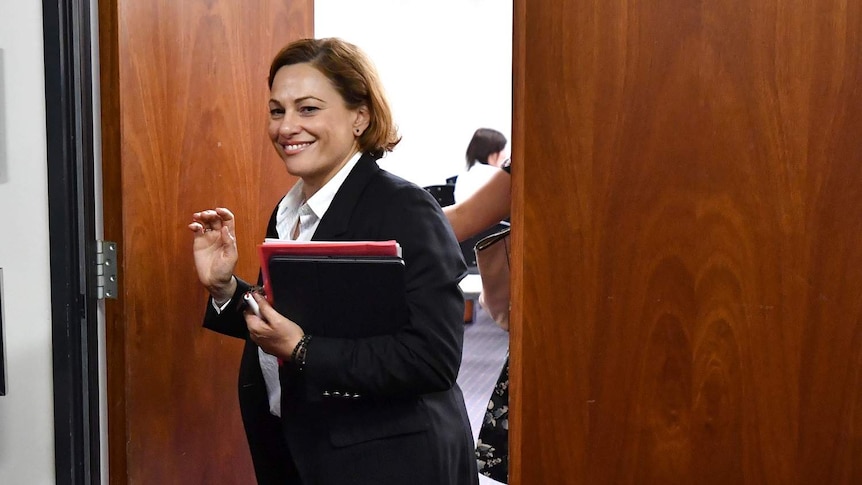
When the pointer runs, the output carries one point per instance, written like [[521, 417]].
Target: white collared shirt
[[309, 213]]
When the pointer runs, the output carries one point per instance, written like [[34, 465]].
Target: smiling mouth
[[296, 147]]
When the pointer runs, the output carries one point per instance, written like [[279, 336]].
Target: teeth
[[297, 147]]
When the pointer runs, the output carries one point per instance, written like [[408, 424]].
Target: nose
[[288, 125]]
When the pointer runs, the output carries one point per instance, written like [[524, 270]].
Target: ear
[[362, 120]]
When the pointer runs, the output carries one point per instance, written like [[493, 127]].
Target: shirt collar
[[322, 199]]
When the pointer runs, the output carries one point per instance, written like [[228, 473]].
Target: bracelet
[[298, 354]]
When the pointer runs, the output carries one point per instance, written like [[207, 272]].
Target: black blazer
[[409, 425]]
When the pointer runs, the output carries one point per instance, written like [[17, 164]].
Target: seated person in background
[[485, 154]]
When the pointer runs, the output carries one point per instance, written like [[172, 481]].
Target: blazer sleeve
[[425, 354], [229, 321]]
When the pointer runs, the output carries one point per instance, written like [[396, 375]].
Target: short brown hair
[[353, 75]]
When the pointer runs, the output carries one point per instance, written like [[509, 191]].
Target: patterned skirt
[[492, 446]]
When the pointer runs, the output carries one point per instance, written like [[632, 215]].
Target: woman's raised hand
[[215, 251]]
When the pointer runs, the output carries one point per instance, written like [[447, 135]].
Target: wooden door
[[184, 105], [688, 236]]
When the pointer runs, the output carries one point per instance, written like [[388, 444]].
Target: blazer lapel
[[335, 221]]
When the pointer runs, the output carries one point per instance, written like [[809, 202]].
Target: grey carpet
[[485, 347]]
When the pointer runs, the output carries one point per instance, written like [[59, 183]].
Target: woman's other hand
[[215, 251], [274, 333]]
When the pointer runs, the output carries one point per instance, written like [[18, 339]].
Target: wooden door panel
[[687, 219], [185, 117]]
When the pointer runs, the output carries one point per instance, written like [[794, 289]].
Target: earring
[[358, 131]]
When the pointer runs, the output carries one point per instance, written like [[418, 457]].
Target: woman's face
[[497, 159], [310, 126]]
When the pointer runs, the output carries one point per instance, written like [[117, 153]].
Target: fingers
[[212, 220], [257, 327], [209, 219], [224, 213], [275, 334], [262, 333], [269, 313], [269, 322]]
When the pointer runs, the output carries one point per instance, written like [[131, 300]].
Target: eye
[[308, 110], [276, 112]]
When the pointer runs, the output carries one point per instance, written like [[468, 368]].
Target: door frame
[[72, 239]]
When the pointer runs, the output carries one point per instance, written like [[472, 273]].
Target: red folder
[[273, 247]]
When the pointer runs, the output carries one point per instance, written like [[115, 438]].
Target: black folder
[[340, 296]]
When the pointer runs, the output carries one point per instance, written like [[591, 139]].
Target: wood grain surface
[[688, 236], [185, 110]]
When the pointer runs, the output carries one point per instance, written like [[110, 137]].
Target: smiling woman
[[311, 127], [384, 409]]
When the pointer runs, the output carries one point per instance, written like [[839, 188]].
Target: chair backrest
[[444, 194]]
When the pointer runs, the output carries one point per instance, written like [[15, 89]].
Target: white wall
[[446, 66], [26, 412]]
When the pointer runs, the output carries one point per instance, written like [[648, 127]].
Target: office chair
[[444, 194]]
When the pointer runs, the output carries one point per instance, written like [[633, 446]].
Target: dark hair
[[485, 143], [353, 75]]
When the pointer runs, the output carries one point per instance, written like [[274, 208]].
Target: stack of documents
[[344, 289]]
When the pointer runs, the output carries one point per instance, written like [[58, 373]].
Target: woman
[[382, 410], [484, 156], [490, 204]]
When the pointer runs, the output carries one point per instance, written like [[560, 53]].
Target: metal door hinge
[[106, 270]]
